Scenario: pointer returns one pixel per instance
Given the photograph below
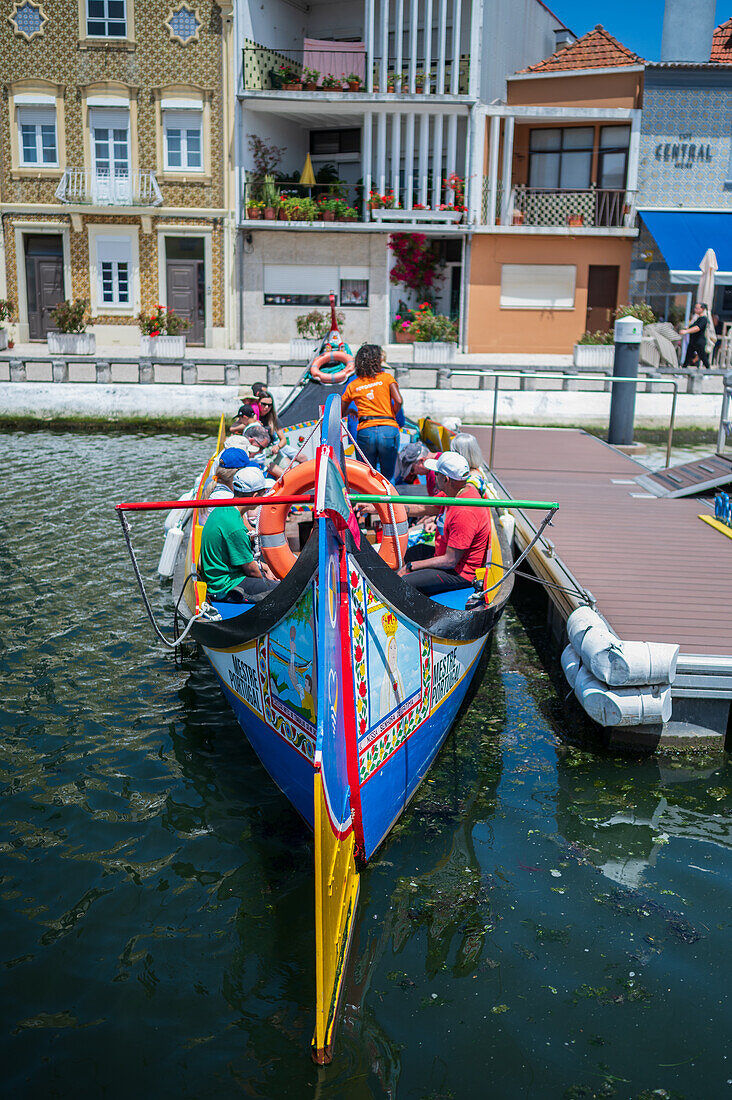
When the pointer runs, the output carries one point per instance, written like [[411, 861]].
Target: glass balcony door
[[111, 175]]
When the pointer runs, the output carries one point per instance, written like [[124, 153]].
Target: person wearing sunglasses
[[268, 417]]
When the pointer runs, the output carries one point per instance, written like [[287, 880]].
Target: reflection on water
[[544, 922]]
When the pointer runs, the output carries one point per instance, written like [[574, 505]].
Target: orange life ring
[[298, 479], [333, 357]]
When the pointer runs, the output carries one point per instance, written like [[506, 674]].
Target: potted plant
[[518, 217], [310, 78], [270, 198], [575, 220], [71, 319], [311, 328], [594, 349], [308, 210], [255, 210], [327, 207], [401, 325], [332, 83], [6, 309], [419, 83], [291, 77], [162, 333], [349, 214], [393, 80], [435, 336], [354, 82]]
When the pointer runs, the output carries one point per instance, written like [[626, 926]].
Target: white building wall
[[273, 324], [516, 33]]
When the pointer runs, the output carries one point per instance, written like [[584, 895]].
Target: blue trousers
[[380, 444]]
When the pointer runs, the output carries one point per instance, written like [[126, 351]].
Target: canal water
[[545, 921]]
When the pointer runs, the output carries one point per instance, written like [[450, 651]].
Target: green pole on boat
[[441, 502]]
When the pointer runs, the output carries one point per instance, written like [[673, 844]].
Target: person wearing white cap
[[462, 545], [226, 561]]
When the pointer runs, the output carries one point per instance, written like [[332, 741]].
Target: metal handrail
[[498, 374]]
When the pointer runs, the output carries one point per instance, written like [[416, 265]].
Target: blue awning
[[684, 238]]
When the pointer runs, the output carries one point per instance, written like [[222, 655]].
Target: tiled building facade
[[115, 152]]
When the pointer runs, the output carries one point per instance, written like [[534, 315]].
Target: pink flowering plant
[[416, 263]]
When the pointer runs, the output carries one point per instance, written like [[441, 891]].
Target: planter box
[[434, 353], [403, 337], [303, 349], [71, 343], [444, 217], [163, 347], [594, 355], [3, 339]]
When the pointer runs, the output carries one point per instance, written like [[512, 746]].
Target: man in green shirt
[[226, 562]]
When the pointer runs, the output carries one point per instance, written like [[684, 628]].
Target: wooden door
[[602, 296], [187, 295], [45, 286]]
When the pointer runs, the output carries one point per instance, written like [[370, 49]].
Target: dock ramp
[[689, 477]]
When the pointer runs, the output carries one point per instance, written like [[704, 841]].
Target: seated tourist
[[231, 460], [410, 467], [467, 445], [226, 562], [461, 546], [246, 415]]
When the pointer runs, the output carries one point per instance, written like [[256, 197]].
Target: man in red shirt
[[463, 544]]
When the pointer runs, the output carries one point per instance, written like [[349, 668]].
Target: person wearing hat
[[410, 467], [462, 545], [245, 415], [231, 459], [226, 562]]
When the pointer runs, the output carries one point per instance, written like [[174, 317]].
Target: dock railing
[[496, 375]]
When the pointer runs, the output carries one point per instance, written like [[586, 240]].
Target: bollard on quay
[[628, 333]]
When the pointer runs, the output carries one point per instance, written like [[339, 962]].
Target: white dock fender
[[570, 664], [627, 664], [579, 622], [637, 706]]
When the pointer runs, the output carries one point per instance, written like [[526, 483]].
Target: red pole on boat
[[240, 502]]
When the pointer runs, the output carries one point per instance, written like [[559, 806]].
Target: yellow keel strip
[[717, 525], [336, 896]]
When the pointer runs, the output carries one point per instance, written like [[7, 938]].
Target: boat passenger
[[410, 467], [268, 417], [462, 545], [231, 460], [467, 445], [245, 416], [226, 562], [376, 395]]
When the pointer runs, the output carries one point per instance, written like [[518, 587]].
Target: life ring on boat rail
[[332, 356], [298, 479]]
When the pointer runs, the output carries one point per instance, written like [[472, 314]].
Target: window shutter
[[538, 286], [292, 279]]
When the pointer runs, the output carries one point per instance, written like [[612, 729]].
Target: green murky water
[[543, 923]]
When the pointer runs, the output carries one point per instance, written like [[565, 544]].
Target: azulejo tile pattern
[[676, 117], [153, 61]]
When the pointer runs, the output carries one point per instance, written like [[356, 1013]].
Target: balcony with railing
[[349, 68], [554, 207], [94, 187]]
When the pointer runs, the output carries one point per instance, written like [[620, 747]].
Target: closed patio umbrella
[[308, 176], [708, 268]]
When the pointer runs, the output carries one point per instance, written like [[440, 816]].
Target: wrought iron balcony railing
[[593, 207], [109, 188]]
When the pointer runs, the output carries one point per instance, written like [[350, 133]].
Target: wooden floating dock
[[654, 570]]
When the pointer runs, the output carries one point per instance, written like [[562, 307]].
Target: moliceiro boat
[[344, 678]]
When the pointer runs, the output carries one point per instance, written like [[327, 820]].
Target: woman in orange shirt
[[376, 396]]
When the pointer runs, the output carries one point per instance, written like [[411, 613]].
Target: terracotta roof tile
[[722, 44], [595, 50]]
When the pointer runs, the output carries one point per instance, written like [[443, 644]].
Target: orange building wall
[[601, 90], [492, 329]]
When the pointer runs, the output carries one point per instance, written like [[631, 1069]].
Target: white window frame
[[107, 20], [119, 246], [185, 119], [555, 286], [36, 116]]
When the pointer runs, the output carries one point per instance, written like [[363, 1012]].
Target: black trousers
[[696, 349], [432, 581], [251, 590]]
